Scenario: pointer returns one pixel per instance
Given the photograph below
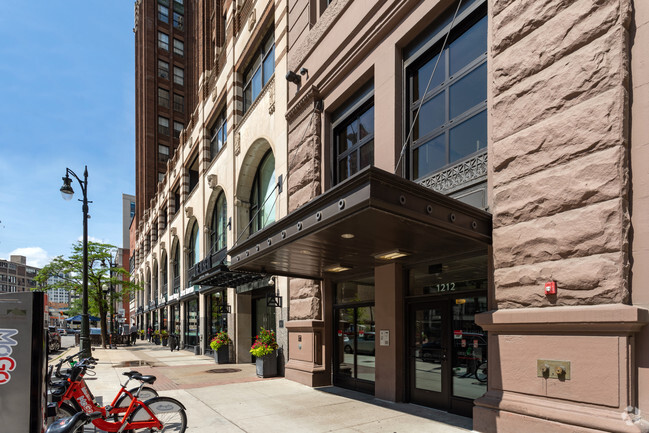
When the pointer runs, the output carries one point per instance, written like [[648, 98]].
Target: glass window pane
[[469, 91], [247, 97], [345, 335], [468, 137], [267, 185], [469, 46], [352, 162], [470, 350], [422, 75], [367, 154], [342, 141], [429, 156], [256, 84], [431, 116], [366, 126], [343, 172], [269, 65], [365, 344], [352, 133], [428, 349]]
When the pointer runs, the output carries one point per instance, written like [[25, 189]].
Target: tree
[[70, 271]]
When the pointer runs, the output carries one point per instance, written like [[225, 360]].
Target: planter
[[222, 355], [164, 341], [156, 340], [267, 365]]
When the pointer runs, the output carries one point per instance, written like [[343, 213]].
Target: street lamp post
[[67, 192]]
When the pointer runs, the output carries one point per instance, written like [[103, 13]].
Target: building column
[[389, 325]]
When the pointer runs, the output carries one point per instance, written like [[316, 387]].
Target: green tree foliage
[[100, 273]]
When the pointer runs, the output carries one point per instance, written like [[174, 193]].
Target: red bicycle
[[67, 407], [157, 413]]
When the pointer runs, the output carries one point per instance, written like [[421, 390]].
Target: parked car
[[95, 331], [63, 331], [53, 339]]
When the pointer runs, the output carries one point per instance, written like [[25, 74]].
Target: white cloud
[[36, 256]]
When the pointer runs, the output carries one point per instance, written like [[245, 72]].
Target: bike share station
[[23, 361]]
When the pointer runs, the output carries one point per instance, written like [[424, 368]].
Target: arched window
[[154, 281], [219, 224], [163, 273], [193, 247], [262, 204], [176, 268]]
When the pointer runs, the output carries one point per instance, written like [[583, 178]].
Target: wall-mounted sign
[[384, 336]]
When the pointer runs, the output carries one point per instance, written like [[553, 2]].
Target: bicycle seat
[[69, 425], [130, 374], [145, 379]]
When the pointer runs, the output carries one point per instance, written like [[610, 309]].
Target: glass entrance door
[[263, 316], [355, 348], [428, 355]]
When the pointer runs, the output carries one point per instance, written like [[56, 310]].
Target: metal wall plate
[[551, 369]]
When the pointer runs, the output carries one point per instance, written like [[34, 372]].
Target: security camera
[[293, 77]]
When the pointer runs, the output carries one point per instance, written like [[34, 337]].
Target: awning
[[77, 318], [371, 219], [214, 271]]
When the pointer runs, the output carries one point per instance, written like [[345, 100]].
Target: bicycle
[[481, 372], [73, 424], [154, 413], [63, 391]]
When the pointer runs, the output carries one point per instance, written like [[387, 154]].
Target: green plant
[[164, 334], [221, 339], [141, 332], [265, 343], [156, 333]]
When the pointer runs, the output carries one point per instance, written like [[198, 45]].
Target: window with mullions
[[163, 41], [179, 21], [354, 136], [179, 48], [262, 200], [176, 268], [179, 76], [218, 135], [163, 69], [179, 103], [163, 97], [163, 13], [219, 224], [194, 254], [262, 67], [452, 122], [179, 6]]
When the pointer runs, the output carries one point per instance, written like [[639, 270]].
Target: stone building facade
[[16, 275], [460, 221], [224, 181], [533, 114]]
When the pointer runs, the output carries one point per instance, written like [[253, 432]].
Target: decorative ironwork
[[459, 176], [273, 300]]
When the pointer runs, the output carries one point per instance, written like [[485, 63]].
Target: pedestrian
[[149, 333], [133, 333]]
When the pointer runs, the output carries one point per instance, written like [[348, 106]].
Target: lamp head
[[66, 190]]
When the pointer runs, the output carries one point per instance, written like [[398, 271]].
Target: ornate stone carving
[[252, 20], [237, 143], [162, 245], [173, 231], [212, 181], [271, 97], [137, 15], [458, 176], [189, 211]]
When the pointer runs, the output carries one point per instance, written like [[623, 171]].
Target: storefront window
[[469, 348], [218, 319], [219, 224], [191, 323]]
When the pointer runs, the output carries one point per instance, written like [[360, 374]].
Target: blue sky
[[66, 100]]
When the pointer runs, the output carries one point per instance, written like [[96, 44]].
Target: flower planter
[[267, 365], [164, 341], [222, 355]]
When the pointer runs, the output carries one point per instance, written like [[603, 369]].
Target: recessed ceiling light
[[337, 268], [391, 255], [347, 236]]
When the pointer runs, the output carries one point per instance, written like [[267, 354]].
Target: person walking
[[133, 333]]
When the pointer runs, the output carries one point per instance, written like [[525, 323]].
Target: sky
[[66, 101]]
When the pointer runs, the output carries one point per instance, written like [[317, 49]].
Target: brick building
[[443, 161], [16, 275]]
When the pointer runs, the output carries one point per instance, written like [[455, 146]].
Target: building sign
[[384, 336]]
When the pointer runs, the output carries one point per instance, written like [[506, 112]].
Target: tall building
[[409, 191], [16, 275], [165, 88]]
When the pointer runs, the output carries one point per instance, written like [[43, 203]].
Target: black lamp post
[[67, 192]]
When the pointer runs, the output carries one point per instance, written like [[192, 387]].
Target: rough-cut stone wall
[[559, 128], [304, 183]]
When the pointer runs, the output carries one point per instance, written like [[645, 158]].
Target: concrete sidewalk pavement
[[231, 398]]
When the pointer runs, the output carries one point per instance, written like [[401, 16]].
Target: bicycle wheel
[[170, 412], [64, 411], [481, 372]]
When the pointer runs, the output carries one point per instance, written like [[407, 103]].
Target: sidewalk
[[231, 398]]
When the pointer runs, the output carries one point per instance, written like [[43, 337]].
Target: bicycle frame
[[79, 392]]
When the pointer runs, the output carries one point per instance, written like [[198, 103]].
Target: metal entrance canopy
[[372, 218]]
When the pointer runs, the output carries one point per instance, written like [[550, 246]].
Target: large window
[[179, 102], [218, 135], [176, 268], [259, 72], [163, 13], [219, 224], [178, 128], [193, 174], [452, 121], [262, 197], [163, 97], [163, 274], [163, 153], [179, 75], [194, 253], [179, 48], [354, 135], [163, 69], [179, 21], [163, 41], [163, 125]]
